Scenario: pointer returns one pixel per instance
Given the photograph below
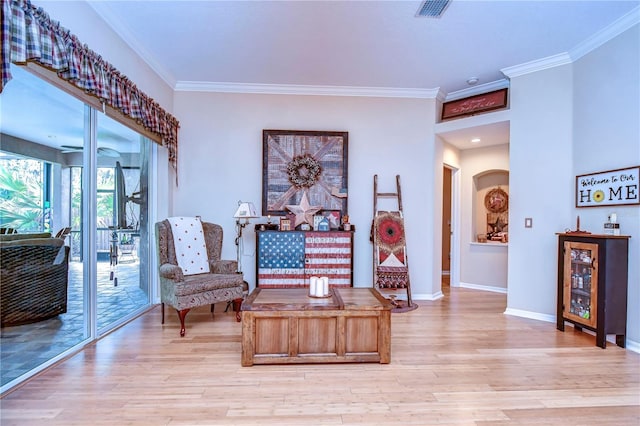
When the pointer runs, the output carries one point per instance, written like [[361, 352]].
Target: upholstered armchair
[[183, 292]]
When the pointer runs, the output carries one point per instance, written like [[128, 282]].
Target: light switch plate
[[528, 222]]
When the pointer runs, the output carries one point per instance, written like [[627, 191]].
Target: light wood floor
[[456, 361]]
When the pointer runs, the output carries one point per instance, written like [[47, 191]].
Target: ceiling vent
[[432, 8]]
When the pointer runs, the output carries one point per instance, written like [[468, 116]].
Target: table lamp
[[246, 211]]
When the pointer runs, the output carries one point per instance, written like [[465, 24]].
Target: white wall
[[577, 118], [450, 155], [481, 265], [541, 186], [220, 163], [607, 136]]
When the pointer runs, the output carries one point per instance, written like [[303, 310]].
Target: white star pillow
[[304, 212]]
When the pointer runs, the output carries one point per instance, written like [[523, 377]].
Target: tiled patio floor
[[25, 347]]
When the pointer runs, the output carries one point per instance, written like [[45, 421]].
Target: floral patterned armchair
[[183, 292]]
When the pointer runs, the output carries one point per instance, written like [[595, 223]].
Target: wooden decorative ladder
[[390, 262]]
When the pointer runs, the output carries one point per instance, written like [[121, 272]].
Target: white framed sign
[[610, 188]]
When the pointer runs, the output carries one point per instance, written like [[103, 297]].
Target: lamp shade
[[246, 210]]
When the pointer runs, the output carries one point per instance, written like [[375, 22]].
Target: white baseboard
[[633, 346], [531, 315], [492, 289], [419, 296], [427, 296]]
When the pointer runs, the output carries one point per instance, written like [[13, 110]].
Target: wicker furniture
[[183, 292], [62, 233], [33, 279]]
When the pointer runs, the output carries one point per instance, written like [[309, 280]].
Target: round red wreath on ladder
[[390, 233]]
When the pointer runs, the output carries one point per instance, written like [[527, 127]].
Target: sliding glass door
[[121, 210], [67, 166], [41, 129]]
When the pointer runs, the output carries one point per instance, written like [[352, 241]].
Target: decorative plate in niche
[[496, 200]]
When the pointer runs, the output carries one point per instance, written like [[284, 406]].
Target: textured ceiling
[[373, 44]]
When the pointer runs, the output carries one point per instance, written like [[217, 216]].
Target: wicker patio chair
[[33, 280]]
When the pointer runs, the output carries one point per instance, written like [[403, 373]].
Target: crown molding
[[596, 40], [128, 38], [608, 33], [537, 65], [440, 95], [293, 89], [477, 90]]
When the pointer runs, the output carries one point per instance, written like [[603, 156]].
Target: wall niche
[[491, 206]]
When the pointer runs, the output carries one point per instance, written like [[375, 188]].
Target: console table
[[286, 326], [287, 259]]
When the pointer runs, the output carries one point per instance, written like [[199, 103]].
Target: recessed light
[[472, 80], [475, 140]]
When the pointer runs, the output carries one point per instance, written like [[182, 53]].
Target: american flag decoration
[[289, 259]]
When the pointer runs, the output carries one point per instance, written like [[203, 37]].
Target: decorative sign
[[297, 162], [610, 188], [475, 104]]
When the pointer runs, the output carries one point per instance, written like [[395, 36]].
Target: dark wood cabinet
[[287, 259], [592, 284]]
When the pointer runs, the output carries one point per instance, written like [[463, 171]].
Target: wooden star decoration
[[498, 225], [303, 212]]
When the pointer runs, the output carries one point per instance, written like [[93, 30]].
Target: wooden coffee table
[[286, 326]]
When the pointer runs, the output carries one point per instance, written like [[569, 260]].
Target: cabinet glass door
[[580, 282]]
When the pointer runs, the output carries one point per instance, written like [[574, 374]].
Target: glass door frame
[[89, 221]]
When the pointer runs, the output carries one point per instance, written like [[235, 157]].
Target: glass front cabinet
[[592, 284], [581, 291]]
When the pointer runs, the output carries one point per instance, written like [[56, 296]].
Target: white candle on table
[[325, 286], [320, 287], [313, 286], [319, 291]]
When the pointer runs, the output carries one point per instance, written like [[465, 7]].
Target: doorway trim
[[454, 268]]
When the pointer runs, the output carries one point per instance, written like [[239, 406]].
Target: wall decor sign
[[296, 162], [609, 188], [475, 104]]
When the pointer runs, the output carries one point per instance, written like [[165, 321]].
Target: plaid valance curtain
[[29, 35]]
